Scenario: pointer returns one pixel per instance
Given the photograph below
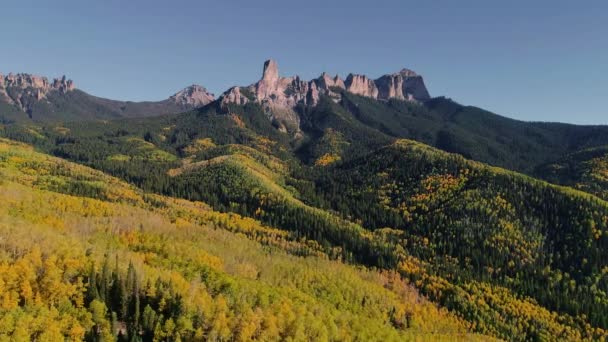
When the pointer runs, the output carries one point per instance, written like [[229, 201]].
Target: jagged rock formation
[[326, 82], [277, 95], [404, 85], [361, 85], [25, 81], [233, 95], [59, 100], [280, 95], [22, 90], [193, 96]]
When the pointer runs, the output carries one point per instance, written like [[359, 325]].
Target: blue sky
[[530, 60]]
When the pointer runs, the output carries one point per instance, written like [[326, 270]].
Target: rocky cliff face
[[326, 82], [361, 85], [192, 97], [282, 94], [23, 90], [404, 85], [233, 95], [277, 95]]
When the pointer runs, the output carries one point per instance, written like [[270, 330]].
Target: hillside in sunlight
[[501, 223], [86, 256], [586, 170]]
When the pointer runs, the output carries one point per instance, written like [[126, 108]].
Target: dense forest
[[90, 257], [371, 231]]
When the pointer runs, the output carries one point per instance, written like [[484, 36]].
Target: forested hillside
[[86, 256], [476, 133], [510, 256], [586, 170]]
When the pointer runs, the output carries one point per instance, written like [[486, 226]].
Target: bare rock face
[[271, 71], [328, 85], [390, 86], [192, 97], [361, 85], [275, 91], [313, 95], [279, 96], [24, 90], [404, 85], [233, 95], [279, 91], [326, 82], [3, 94], [415, 88], [63, 85], [35, 83]]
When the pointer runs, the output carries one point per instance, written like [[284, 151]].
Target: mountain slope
[[470, 222], [586, 170], [457, 229], [90, 256], [514, 256], [25, 97], [367, 114], [475, 133]]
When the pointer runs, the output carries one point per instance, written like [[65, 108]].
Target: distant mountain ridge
[[60, 100], [280, 95], [30, 97]]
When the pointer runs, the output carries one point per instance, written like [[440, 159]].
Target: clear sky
[[532, 60]]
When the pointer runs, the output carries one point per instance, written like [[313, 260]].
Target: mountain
[[25, 97], [279, 96], [500, 222], [462, 232], [399, 106], [474, 132]]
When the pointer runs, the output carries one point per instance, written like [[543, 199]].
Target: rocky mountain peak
[[325, 82], [276, 91], [25, 81], [403, 85], [63, 84], [407, 73], [193, 96], [361, 85], [271, 71], [280, 95], [23, 90], [233, 95]]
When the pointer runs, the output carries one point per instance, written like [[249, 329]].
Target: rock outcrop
[[63, 85], [233, 95], [280, 95], [274, 91], [326, 82], [42, 84], [277, 95], [192, 97], [279, 91], [361, 85], [23, 90], [404, 85], [3, 94]]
